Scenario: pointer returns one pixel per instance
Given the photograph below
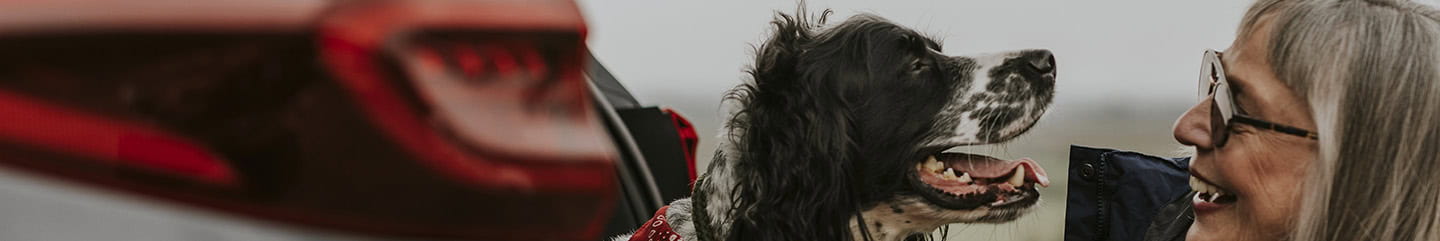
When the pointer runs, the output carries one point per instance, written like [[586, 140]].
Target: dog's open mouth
[[968, 181]]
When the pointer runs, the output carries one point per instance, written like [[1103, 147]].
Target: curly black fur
[[831, 123]]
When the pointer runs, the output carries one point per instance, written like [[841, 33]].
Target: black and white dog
[[842, 135]]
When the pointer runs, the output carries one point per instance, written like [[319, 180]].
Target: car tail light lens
[[511, 95], [489, 95]]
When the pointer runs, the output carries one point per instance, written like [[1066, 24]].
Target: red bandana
[[657, 229]]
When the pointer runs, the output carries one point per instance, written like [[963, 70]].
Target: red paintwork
[[116, 142], [688, 140], [411, 179]]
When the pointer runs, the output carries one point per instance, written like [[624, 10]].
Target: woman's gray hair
[[1370, 70]]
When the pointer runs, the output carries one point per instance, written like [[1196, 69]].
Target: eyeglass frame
[[1223, 110]]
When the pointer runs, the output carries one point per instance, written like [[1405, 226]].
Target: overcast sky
[[1145, 49], [1139, 56]]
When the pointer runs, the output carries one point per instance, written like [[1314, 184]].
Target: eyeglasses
[[1222, 106]]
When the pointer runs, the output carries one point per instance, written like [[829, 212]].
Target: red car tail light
[[505, 94], [422, 119], [483, 93], [513, 91]]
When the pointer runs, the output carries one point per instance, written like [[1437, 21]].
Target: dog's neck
[[712, 193], [887, 221], [896, 220], [711, 196]]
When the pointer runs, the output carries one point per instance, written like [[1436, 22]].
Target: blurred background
[[309, 157], [1127, 69]]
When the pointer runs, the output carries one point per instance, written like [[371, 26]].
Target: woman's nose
[[1193, 127]]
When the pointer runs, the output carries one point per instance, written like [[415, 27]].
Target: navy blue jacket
[[1116, 195]]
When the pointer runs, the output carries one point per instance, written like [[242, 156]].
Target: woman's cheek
[[1272, 180]]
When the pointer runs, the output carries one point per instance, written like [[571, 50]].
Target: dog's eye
[[918, 65]]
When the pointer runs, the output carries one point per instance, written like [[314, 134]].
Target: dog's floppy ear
[[794, 179]]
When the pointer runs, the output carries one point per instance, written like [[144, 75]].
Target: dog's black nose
[[1042, 61]]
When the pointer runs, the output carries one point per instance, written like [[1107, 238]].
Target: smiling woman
[[1319, 124]]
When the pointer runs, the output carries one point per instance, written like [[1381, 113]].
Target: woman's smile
[[1209, 197]]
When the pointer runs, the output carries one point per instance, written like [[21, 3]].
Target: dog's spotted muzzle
[[1010, 92]]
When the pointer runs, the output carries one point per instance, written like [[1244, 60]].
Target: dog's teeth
[[949, 174], [933, 165], [1018, 178], [965, 178]]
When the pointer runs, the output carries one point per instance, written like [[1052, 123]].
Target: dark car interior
[[655, 159]]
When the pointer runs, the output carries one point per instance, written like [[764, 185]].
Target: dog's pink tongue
[[981, 166]]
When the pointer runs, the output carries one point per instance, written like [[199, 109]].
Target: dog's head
[[855, 117]]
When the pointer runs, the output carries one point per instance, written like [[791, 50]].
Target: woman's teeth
[[1208, 192], [1200, 186]]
